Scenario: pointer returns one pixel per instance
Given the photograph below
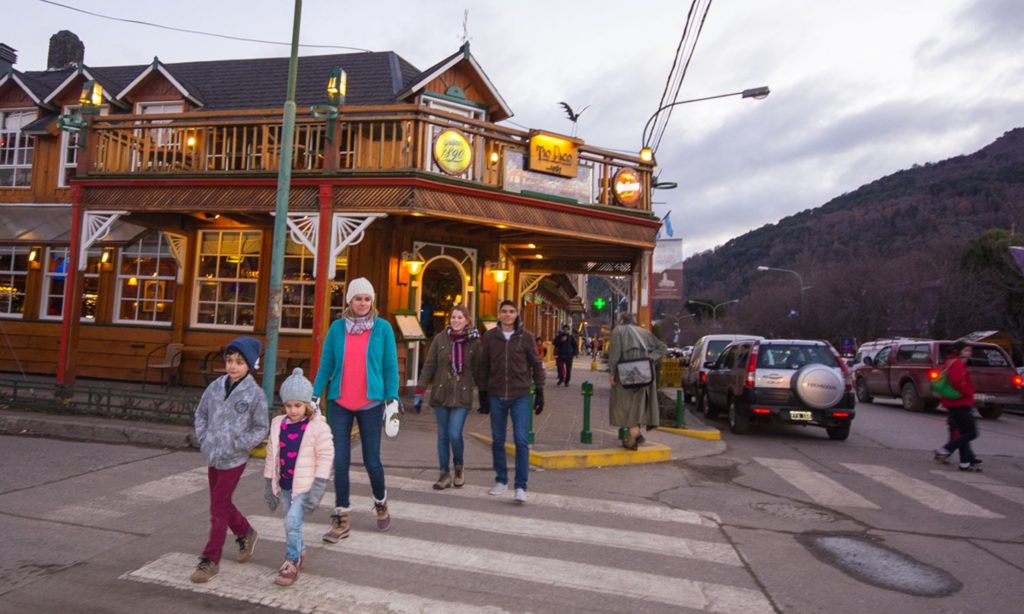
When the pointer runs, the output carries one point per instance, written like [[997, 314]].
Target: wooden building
[[144, 216]]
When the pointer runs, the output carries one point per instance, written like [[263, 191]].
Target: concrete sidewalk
[[557, 431]]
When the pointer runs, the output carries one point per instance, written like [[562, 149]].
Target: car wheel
[[739, 422], [839, 433], [862, 391], [704, 405], [990, 412], [911, 400]]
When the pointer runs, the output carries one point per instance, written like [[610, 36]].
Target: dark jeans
[[564, 366], [450, 421], [520, 409], [223, 513], [962, 431], [371, 423]]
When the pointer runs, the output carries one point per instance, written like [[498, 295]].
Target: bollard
[[623, 432], [680, 417], [587, 390], [530, 436]]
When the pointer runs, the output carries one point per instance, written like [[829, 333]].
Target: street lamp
[[647, 153], [714, 308], [798, 277]]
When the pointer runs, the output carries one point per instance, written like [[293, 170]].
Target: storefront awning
[[38, 223]]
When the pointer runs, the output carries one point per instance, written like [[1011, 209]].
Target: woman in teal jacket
[[359, 369]]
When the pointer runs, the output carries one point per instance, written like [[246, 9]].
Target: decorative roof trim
[[13, 76], [84, 72], [158, 66], [439, 69]]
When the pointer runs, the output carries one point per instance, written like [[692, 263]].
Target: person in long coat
[[633, 407]]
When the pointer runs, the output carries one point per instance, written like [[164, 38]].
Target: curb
[[709, 435], [99, 430], [580, 459]]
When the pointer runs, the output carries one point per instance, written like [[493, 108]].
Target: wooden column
[[72, 296], [320, 294]]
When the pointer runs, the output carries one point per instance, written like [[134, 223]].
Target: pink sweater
[[315, 459]]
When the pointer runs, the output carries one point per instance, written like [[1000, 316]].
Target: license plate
[[799, 415]]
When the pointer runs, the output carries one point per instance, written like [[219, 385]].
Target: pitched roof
[[419, 81]]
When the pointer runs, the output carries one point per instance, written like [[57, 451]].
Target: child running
[[300, 455]]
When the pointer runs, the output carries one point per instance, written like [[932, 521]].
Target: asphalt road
[[784, 521]]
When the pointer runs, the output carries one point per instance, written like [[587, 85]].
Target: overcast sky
[[859, 89]]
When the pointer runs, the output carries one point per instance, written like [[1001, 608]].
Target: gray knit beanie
[[296, 388]]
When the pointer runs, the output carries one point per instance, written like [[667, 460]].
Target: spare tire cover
[[818, 386]]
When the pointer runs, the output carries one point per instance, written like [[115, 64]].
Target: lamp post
[[714, 308], [647, 154], [798, 277]]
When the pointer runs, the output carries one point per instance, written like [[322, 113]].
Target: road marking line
[[507, 524], [823, 489], [255, 584], [680, 592], [118, 505], [1013, 493], [932, 496], [580, 504]]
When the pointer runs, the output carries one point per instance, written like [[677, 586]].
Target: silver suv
[[791, 381]]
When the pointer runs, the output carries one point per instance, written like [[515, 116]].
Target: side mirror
[[709, 365]]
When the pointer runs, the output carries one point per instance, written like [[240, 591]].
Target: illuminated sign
[[626, 185], [555, 155], [452, 152]]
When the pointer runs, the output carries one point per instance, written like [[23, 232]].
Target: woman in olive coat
[[633, 407]]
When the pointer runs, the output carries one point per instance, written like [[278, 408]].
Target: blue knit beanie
[[249, 348]]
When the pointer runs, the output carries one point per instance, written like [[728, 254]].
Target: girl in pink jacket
[[300, 455]]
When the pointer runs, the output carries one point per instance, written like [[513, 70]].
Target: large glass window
[[299, 288], [15, 148], [55, 282], [226, 273], [13, 274], [147, 276]]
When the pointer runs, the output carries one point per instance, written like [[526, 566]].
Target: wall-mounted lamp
[[105, 259], [414, 262], [499, 272], [190, 141], [91, 98], [494, 157], [33, 258], [647, 155]]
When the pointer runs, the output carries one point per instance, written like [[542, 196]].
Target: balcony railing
[[366, 140]]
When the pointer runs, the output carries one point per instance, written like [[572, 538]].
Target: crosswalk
[[826, 490]]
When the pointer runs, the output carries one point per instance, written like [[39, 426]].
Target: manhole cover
[[798, 512], [879, 565]]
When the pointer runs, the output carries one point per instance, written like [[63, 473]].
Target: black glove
[[315, 494], [485, 403], [538, 401], [268, 494]]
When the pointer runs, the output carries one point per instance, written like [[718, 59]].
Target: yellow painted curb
[[710, 435], [578, 459]]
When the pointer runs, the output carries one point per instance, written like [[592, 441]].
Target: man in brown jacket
[[508, 362]]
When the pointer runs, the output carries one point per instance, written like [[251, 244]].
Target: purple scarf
[[459, 341]]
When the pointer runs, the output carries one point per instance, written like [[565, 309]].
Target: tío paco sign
[[552, 154]]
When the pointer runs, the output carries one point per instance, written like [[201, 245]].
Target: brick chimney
[[8, 57], [66, 50]]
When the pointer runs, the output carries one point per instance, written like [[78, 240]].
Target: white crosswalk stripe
[[678, 592], [927, 494], [817, 486], [128, 500], [982, 482]]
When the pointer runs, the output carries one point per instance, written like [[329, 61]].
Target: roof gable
[[460, 60], [158, 68]]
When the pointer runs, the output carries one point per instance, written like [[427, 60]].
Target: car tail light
[[703, 377], [762, 410], [934, 374], [751, 368], [840, 414], [1018, 380]]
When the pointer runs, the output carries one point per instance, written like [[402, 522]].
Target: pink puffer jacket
[[315, 459]]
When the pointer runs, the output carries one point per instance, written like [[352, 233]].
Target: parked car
[[872, 348], [705, 351], [790, 381], [905, 369]]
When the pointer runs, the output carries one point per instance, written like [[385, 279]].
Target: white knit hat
[[296, 388], [359, 285]]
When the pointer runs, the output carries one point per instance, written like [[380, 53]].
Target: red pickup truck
[[905, 369]]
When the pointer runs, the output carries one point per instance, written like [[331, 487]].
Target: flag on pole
[[666, 222]]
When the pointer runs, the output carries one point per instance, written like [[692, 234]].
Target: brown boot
[[445, 481], [340, 525], [205, 570], [460, 477], [383, 517]]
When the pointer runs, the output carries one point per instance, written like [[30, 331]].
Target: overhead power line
[[199, 32]]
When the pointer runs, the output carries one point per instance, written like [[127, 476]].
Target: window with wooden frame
[[14, 265], [16, 148], [147, 280], [55, 272], [69, 146], [227, 270]]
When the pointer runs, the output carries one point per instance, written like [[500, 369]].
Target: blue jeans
[[520, 410], [371, 422], [293, 514], [450, 421]]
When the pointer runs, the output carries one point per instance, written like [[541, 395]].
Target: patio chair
[[169, 362]]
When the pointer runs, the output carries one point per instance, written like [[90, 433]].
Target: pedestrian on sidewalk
[[962, 428], [633, 407], [508, 362], [230, 420], [359, 370], [566, 349], [452, 360], [300, 454]]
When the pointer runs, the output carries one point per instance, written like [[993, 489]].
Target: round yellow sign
[[626, 185], [452, 152]]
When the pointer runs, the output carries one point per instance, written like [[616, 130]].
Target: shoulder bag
[[635, 372]]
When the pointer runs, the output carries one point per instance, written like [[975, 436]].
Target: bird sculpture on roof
[[573, 115]]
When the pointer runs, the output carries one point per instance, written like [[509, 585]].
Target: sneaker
[[521, 495], [445, 481], [247, 545], [287, 575], [383, 517], [340, 524], [942, 456], [459, 479], [497, 489], [205, 570], [971, 466]]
